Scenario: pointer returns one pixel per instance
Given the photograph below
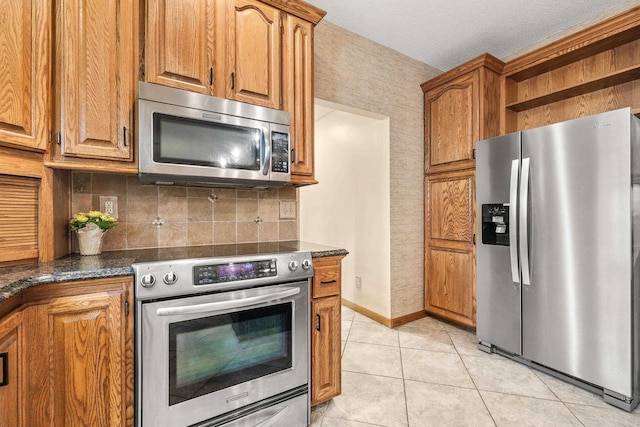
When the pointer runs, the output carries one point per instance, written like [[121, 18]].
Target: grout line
[[474, 383], [404, 383]]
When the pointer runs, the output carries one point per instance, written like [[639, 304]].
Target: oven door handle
[[227, 305], [274, 418]]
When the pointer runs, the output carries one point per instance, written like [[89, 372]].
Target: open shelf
[[602, 82]]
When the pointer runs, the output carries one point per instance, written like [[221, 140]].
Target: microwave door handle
[[266, 149], [212, 307]]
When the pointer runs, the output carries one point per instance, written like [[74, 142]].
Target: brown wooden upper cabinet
[[225, 48], [24, 81], [181, 44], [95, 74], [254, 53], [298, 95], [461, 107]]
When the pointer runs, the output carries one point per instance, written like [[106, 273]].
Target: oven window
[[213, 353], [197, 142]]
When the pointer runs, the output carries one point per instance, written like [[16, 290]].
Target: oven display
[[231, 272]]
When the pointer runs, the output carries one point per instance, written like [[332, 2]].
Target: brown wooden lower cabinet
[[449, 246], [75, 341], [326, 329], [12, 385]]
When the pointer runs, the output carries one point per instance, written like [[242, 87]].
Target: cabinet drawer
[[326, 280]]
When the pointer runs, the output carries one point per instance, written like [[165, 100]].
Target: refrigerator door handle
[[524, 213], [513, 216]]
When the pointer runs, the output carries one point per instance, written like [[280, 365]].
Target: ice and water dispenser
[[495, 224]]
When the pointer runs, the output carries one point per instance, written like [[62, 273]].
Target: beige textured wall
[[357, 72], [191, 216]]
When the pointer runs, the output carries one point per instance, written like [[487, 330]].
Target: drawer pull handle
[[318, 318], [327, 282], [5, 369]]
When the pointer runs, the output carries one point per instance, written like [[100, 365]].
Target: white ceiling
[[446, 33]]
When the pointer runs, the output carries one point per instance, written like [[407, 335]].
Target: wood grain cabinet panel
[[449, 246], [326, 321], [25, 35], [325, 349], [75, 344], [297, 78], [85, 333], [451, 288], [449, 207], [96, 73], [180, 46], [254, 53], [12, 379], [461, 107], [19, 215], [452, 122]]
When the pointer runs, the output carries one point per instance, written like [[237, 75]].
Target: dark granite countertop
[[13, 280]]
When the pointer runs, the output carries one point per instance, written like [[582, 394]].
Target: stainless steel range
[[223, 340]]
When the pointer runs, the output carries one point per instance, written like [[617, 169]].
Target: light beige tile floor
[[430, 373]]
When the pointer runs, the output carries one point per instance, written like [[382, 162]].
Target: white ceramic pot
[[90, 239]]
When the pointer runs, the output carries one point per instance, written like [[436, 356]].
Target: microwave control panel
[[279, 152]]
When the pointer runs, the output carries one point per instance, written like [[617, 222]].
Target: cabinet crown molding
[[612, 32], [485, 60], [299, 8]]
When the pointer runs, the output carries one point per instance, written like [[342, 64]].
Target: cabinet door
[[325, 349], [12, 373], [254, 53], [24, 81], [449, 246], [297, 77], [452, 124], [86, 335], [180, 44], [96, 77]]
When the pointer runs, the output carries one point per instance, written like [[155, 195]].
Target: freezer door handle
[[524, 212], [513, 212]]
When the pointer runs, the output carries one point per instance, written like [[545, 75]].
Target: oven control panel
[[234, 271]]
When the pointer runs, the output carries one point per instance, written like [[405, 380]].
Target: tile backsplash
[[152, 216]]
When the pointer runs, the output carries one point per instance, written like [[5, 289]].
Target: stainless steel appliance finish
[[192, 138], [563, 293], [223, 340]]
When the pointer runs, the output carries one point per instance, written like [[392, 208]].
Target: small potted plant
[[90, 228]]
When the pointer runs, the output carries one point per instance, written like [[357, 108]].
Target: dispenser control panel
[[495, 224]]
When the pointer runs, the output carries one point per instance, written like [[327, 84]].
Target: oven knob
[[293, 265], [147, 280], [306, 264], [170, 278]]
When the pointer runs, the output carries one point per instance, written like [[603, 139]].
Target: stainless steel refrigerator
[[558, 273]]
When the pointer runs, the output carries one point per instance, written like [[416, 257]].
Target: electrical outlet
[[287, 210], [109, 204], [358, 282]]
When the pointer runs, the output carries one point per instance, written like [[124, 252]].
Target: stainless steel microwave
[[191, 138]]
